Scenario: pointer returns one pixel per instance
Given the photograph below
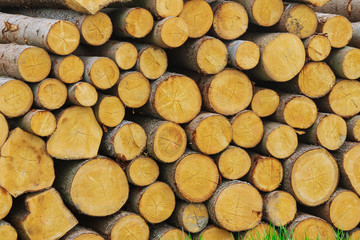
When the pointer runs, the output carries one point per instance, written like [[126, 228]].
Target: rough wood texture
[[198, 16], [49, 94], [191, 217], [348, 9], [109, 110], [230, 20], [235, 206], [337, 28], [170, 32], [353, 128], [121, 226], [211, 232], [347, 158], [344, 60], [229, 100], [279, 208], [342, 210], [355, 40], [279, 140], [7, 231], [174, 97], [264, 102], [82, 94], [247, 129], [261, 231], [28, 63], [26, 153], [166, 141], [81, 233], [315, 3], [243, 55], [205, 55], [317, 47], [142, 171], [152, 61], [266, 173], [343, 99], [38, 122], [233, 163], [311, 227], [6, 203], [165, 231], [159, 8], [198, 168], [57, 36], [16, 99], [124, 142], [296, 111], [4, 129], [77, 135], [68, 69], [264, 13], [95, 29], [282, 56], [298, 19], [209, 133], [155, 203], [310, 175], [95, 187], [45, 210], [329, 131]]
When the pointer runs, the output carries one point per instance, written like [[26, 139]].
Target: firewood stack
[[152, 119]]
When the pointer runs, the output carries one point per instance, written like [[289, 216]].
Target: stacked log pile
[[152, 119]]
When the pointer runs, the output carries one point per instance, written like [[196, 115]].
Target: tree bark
[[348, 9], [353, 129], [316, 3]]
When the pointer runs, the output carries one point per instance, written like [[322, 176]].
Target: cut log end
[[234, 163], [265, 102], [133, 89], [354, 234], [131, 227], [300, 112], [338, 29], [142, 171], [214, 233], [212, 55], [266, 174], [325, 79], [169, 8], [203, 174], [311, 228], [108, 184], [26, 153], [51, 94], [279, 208], [195, 217], [236, 206], [281, 142], [319, 164], [87, 7], [110, 111], [104, 73], [233, 98], [89, 236], [42, 123], [174, 32], [152, 62], [283, 57], [7, 231], [83, 94], [267, 12], [177, 99], [70, 69], [4, 129], [334, 138], [318, 48], [63, 38], [230, 20], [96, 29], [302, 21], [261, 231], [169, 142], [353, 128], [139, 22], [247, 55], [165, 231], [34, 64], [198, 16], [81, 233], [247, 129], [77, 135], [212, 135], [45, 205], [351, 70], [351, 167], [157, 202], [126, 56], [6, 203], [17, 98]]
